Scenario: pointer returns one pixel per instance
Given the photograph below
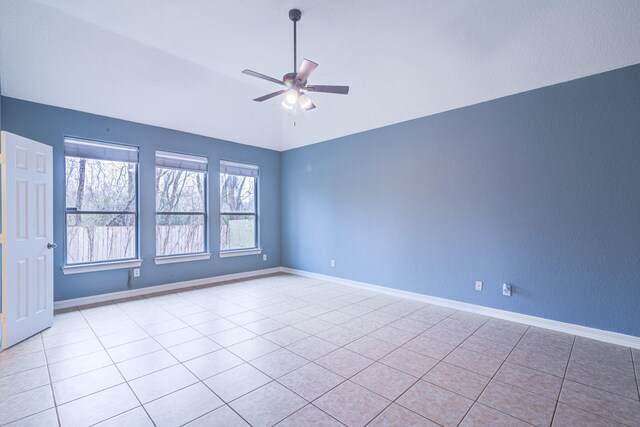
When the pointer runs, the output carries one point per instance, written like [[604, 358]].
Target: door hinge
[[2, 159], [3, 318], [2, 239]]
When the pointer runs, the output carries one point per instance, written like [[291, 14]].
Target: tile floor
[[291, 351]]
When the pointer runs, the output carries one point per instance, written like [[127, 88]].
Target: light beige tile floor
[[291, 351]]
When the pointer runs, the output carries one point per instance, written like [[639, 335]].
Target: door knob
[[51, 245]]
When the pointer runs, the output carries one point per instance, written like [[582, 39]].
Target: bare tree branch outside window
[[237, 212], [101, 210], [180, 211]]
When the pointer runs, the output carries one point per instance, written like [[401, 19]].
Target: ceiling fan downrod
[[295, 15]]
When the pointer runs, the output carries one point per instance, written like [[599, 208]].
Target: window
[[238, 213], [181, 216], [101, 201]]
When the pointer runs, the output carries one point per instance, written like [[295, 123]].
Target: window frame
[[256, 249], [187, 256], [89, 266]]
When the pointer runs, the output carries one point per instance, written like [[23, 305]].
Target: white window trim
[[171, 259], [101, 266], [240, 252]]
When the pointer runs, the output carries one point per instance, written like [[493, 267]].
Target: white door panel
[[27, 230]]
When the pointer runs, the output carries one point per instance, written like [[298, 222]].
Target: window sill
[[101, 266], [170, 259], [241, 252]]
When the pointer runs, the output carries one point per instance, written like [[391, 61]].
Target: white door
[[27, 232]]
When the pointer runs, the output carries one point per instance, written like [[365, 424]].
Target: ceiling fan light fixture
[[305, 102], [286, 105], [291, 96]]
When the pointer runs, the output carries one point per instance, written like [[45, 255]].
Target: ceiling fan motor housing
[[289, 79]]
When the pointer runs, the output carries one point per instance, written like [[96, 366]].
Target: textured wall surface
[[0, 220], [49, 125], [540, 190]]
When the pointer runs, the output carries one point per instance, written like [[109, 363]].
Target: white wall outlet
[[264, 257], [478, 285], [506, 289], [136, 272], [333, 263]]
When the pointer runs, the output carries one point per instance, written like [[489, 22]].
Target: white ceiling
[[177, 63]]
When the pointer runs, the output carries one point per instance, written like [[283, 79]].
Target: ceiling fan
[[296, 82]]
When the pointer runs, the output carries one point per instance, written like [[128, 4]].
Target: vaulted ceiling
[[177, 63]]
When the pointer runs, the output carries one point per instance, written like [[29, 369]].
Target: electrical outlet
[[136, 272], [264, 257], [478, 285], [506, 289], [333, 263]]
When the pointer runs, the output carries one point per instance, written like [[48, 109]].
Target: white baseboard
[[78, 302], [569, 328]]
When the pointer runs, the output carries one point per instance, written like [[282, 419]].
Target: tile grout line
[[312, 361], [273, 380], [349, 378], [394, 401], [22, 372], [492, 379], [285, 348], [636, 369], [228, 403], [528, 391], [563, 378], [31, 415], [391, 401], [606, 417], [93, 370], [184, 366], [224, 402], [564, 375], [50, 384], [473, 351], [457, 347], [179, 362], [123, 377], [454, 349], [306, 406], [53, 395]]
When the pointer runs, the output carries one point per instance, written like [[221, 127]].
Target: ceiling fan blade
[[343, 90], [271, 95], [262, 76], [306, 68]]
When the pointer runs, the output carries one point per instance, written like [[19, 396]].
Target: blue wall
[[1, 223], [50, 124], [539, 189]]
